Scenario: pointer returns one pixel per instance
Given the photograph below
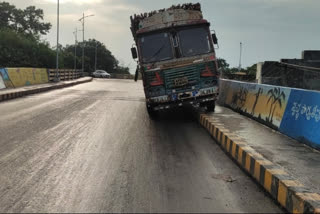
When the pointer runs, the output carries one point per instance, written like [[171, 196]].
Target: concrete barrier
[[294, 112], [264, 103], [2, 85], [280, 184], [301, 120], [27, 76], [20, 92], [5, 78]]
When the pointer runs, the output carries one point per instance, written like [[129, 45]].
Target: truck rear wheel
[[211, 106]]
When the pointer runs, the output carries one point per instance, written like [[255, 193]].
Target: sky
[[268, 29]]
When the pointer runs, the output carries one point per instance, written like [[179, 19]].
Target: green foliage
[[27, 21], [20, 44], [222, 64], [224, 67], [105, 60], [18, 50]]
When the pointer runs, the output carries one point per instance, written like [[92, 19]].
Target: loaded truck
[[175, 53]]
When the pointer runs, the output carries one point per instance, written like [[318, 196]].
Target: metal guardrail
[[122, 76], [64, 74]]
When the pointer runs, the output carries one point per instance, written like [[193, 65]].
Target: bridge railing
[[122, 76], [64, 74]]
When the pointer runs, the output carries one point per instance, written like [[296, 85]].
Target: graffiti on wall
[[294, 112], [27, 76], [5, 78], [2, 85], [263, 102], [302, 117]]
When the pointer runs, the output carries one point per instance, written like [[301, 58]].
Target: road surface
[[93, 148]]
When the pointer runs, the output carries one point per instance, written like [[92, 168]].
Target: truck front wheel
[[152, 113], [211, 106]]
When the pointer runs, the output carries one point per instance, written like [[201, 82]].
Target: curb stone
[[283, 187], [13, 95]]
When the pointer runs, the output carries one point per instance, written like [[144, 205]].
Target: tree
[[32, 23], [222, 64], [27, 21], [105, 60], [252, 70], [6, 14], [275, 98], [18, 50]]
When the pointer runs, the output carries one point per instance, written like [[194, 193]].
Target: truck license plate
[[180, 81]]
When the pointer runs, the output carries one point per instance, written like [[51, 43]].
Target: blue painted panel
[[301, 119], [4, 74]]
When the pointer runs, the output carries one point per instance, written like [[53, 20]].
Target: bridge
[[92, 148]]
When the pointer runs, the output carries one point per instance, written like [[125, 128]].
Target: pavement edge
[[13, 95], [283, 187]]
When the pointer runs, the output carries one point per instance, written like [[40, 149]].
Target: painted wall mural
[[2, 85], [27, 76], [263, 102], [5, 78], [294, 112], [302, 117]]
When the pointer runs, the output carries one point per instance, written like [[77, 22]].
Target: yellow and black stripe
[[290, 193]]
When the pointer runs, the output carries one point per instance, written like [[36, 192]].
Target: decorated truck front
[[176, 57]]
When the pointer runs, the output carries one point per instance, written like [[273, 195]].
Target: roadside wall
[[294, 112], [301, 120], [2, 85], [27, 76], [5, 78], [264, 103]]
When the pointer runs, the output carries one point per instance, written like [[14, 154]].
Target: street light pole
[[75, 48], [57, 58], [82, 20], [240, 56], [95, 58]]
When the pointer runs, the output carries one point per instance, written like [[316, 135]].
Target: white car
[[101, 73]]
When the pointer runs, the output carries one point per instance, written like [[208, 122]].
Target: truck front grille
[[191, 72]]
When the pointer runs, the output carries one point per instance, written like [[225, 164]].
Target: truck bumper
[[185, 98]]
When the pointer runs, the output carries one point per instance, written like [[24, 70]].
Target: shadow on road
[[181, 114]]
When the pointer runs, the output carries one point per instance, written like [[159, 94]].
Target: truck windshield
[[155, 47], [194, 41]]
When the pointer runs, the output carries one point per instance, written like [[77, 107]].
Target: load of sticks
[[138, 17]]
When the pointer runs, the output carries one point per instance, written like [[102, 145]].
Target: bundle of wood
[[137, 18]]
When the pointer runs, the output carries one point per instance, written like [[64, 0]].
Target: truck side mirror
[[134, 53], [215, 39]]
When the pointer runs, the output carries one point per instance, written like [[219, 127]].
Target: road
[[93, 148]]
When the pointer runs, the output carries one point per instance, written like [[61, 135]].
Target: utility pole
[[82, 20], [95, 58], [75, 48], [56, 79], [240, 56]]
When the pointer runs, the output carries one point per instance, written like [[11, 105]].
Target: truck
[[175, 53]]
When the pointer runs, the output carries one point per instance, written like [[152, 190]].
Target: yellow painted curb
[[13, 95], [290, 193]]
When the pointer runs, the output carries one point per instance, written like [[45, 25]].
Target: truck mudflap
[[183, 102]]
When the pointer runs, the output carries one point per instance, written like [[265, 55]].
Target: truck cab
[[176, 58]]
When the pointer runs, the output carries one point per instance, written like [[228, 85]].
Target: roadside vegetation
[[22, 44]]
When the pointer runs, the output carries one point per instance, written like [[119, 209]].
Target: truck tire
[[152, 113], [211, 106]]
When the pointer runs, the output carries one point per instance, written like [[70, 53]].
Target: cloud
[[78, 2], [269, 29]]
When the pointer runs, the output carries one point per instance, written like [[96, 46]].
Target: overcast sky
[[268, 29]]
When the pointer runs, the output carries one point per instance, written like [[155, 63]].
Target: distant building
[[296, 73]]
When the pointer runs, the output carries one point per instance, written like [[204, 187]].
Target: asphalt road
[[93, 148]]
